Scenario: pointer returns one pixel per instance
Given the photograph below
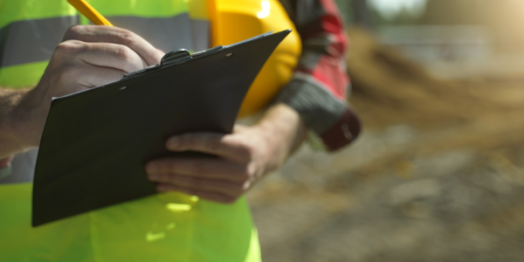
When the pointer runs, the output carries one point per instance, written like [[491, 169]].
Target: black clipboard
[[95, 142]]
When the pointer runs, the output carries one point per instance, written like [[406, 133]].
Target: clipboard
[[96, 142]]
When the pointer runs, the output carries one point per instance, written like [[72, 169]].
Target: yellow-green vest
[[163, 227]]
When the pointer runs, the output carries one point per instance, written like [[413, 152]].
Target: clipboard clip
[[182, 55], [175, 56]]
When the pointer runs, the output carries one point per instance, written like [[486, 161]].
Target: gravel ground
[[390, 198]]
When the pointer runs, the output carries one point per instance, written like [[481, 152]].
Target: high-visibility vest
[[163, 227]]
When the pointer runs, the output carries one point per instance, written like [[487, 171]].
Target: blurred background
[[438, 173]]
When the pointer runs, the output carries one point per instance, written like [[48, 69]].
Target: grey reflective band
[[30, 41], [201, 34], [169, 33], [35, 40]]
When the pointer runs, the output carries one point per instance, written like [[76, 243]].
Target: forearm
[[283, 127], [318, 88], [13, 135]]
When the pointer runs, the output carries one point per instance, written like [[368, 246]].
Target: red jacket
[[320, 84]]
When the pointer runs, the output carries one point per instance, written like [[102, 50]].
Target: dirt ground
[[437, 175]]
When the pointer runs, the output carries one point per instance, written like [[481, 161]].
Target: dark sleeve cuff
[[343, 132], [332, 120]]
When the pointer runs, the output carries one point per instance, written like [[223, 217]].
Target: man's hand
[[243, 157], [89, 56]]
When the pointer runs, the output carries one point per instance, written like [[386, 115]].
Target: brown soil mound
[[388, 89]]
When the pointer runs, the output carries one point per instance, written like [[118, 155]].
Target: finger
[[203, 168], [92, 76], [212, 143], [212, 196], [210, 185], [238, 128], [112, 55], [115, 35], [116, 56]]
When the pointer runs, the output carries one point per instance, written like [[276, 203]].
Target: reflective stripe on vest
[[28, 40], [31, 41], [15, 18], [154, 30]]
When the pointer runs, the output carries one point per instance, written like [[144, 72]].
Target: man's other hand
[[244, 157]]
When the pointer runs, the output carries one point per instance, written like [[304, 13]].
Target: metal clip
[[175, 56]]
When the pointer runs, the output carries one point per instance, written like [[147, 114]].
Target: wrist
[[282, 130], [19, 124], [30, 116]]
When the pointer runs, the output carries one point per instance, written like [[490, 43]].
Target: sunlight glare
[[390, 8], [265, 10]]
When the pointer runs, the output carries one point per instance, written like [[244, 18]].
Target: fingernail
[[173, 143], [152, 168]]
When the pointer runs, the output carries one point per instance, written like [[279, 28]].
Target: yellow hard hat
[[236, 20]]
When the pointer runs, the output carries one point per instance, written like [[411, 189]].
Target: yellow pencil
[[88, 11]]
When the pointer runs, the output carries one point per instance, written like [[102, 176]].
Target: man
[[173, 225]]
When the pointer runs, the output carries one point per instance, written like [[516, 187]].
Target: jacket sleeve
[[4, 167], [5, 162], [319, 86]]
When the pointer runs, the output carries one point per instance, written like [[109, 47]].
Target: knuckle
[[123, 52], [128, 56], [63, 67], [252, 169], [246, 186], [73, 32], [68, 47], [248, 149], [251, 149], [126, 37]]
